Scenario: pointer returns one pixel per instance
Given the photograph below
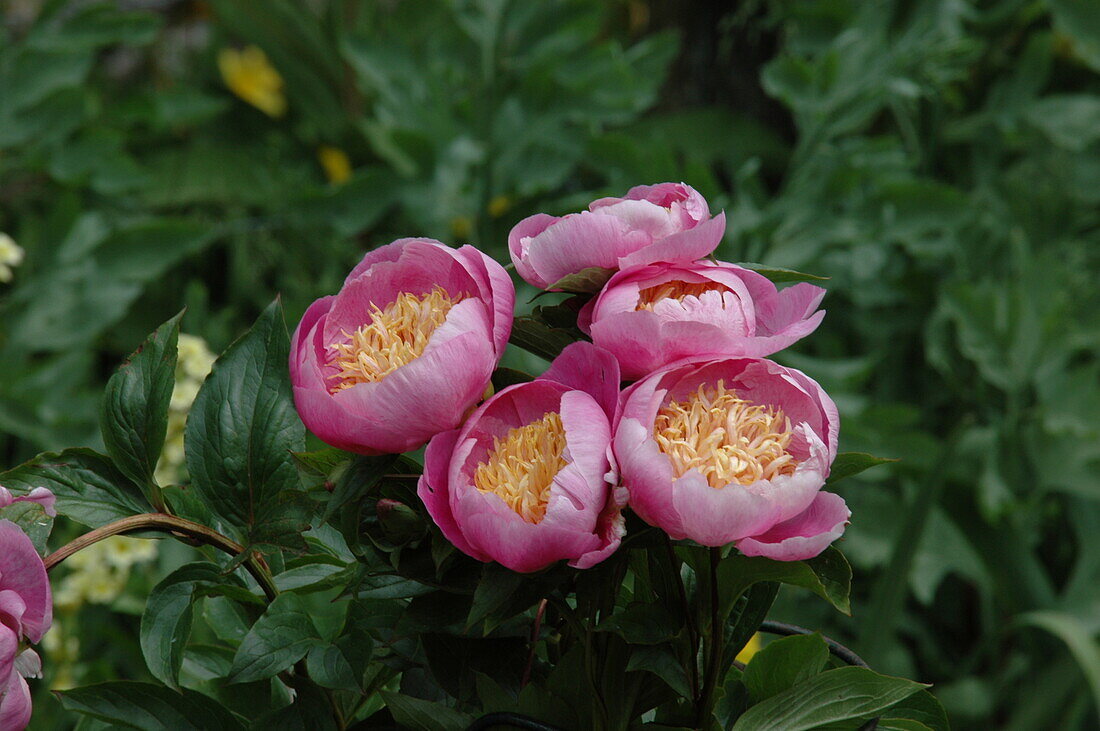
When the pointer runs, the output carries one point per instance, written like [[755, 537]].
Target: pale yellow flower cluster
[[11, 255], [99, 572], [192, 367], [335, 163]]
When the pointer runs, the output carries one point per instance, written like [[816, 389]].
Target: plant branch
[[254, 564], [693, 632]]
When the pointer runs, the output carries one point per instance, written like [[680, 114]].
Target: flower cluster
[[193, 364], [711, 441]]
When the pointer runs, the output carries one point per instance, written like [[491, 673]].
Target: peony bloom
[[26, 612], [525, 481], [404, 350], [734, 450], [666, 222], [650, 316]]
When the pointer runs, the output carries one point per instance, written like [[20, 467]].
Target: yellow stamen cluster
[[676, 290], [727, 439], [520, 468], [394, 336]]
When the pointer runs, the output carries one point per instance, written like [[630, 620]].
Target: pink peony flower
[[527, 480], [734, 450], [404, 350], [650, 316], [26, 612], [666, 222]]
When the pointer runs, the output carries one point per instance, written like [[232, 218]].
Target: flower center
[[520, 468], [394, 336], [727, 439], [675, 290]]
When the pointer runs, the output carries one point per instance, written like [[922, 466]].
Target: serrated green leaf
[[829, 697], [242, 430], [134, 417]]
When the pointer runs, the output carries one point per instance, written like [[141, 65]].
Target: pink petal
[[496, 288], [433, 489], [22, 572], [389, 252], [576, 242], [15, 706], [789, 306], [39, 495], [9, 648], [803, 536], [689, 245], [585, 367], [610, 527], [647, 475]]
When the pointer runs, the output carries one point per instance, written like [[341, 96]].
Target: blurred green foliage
[[938, 160]]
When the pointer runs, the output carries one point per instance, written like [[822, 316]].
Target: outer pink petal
[[647, 476], [9, 648], [788, 307], [497, 289], [579, 241], [389, 252], [22, 571], [610, 527], [433, 488], [803, 536], [585, 367], [15, 706], [642, 343], [579, 492], [528, 228], [761, 346], [689, 245], [304, 368]]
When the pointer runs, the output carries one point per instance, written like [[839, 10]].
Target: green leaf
[[32, 520], [126, 704], [420, 715], [134, 418], [779, 275], [784, 663], [749, 613], [1071, 121], [361, 475], [662, 661], [309, 711], [166, 622], [923, 708], [88, 488], [278, 639], [243, 428], [828, 575], [538, 338], [1079, 21], [641, 624], [586, 281], [847, 464], [1078, 638], [829, 697], [496, 587]]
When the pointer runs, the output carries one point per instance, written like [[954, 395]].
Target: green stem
[[693, 632], [254, 563], [714, 643]]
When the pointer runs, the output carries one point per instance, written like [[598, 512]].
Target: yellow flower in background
[[335, 162], [193, 365], [250, 76], [100, 572], [11, 255], [753, 647], [499, 205], [461, 226]]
